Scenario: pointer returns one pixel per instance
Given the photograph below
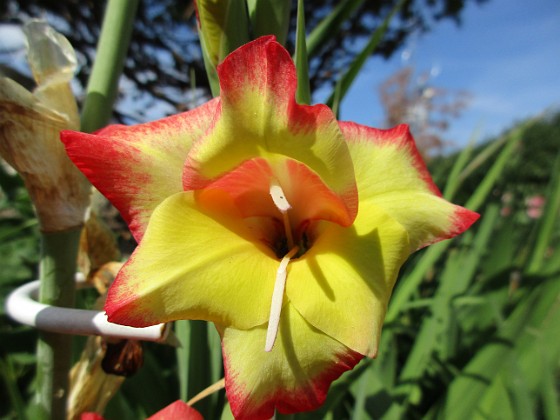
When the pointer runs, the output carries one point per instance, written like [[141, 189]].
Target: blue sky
[[506, 54]]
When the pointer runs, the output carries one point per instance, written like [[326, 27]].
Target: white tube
[[22, 307]]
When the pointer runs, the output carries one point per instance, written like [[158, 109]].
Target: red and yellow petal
[[258, 117], [137, 167], [178, 410], [343, 283], [391, 174], [197, 260], [295, 376]]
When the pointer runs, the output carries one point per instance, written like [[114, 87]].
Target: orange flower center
[[279, 202]]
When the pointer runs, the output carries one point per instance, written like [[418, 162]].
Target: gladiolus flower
[[282, 226], [29, 130]]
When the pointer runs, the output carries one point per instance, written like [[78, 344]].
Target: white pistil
[[279, 198], [277, 297]]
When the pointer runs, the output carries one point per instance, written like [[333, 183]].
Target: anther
[[277, 298], [281, 202]]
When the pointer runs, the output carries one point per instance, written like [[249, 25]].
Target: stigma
[[277, 298], [281, 202]]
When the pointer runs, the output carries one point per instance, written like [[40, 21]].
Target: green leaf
[[549, 393], [182, 353], [303, 95], [540, 308], [512, 140], [270, 17], [223, 27], [7, 373], [194, 362], [545, 227], [336, 99], [211, 71], [236, 24], [453, 181], [438, 332]]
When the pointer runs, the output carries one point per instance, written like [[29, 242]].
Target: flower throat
[[285, 243]]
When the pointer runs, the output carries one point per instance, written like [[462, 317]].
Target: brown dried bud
[[29, 131]]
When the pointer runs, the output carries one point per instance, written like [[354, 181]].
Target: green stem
[[59, 253], [303, 93], [109, 62]]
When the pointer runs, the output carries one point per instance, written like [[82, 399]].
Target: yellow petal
[[295, 376], [197, 260], [342, 284], [391, 174]]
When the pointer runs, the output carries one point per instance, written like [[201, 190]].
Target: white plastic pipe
[[21, 305]]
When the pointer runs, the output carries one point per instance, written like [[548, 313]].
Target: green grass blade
[[182, 354], [490, 150], [407, 286], [549, 394], [336, 99], [223, 27], [371, 391], [199, 371], [211, 72], [236, 32], [468, 389], [453, 181], [512, 143], [438, 332], [216, 400], [270, 17], [519, 393], [303, 94], [547, 221], [194, 362], [10, 382], [9, 234]]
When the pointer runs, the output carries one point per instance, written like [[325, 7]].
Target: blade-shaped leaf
[[270, 17], [303, 95]]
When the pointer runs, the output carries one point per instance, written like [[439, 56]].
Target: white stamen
[[277, 297], [279, 198], [281, 202]]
